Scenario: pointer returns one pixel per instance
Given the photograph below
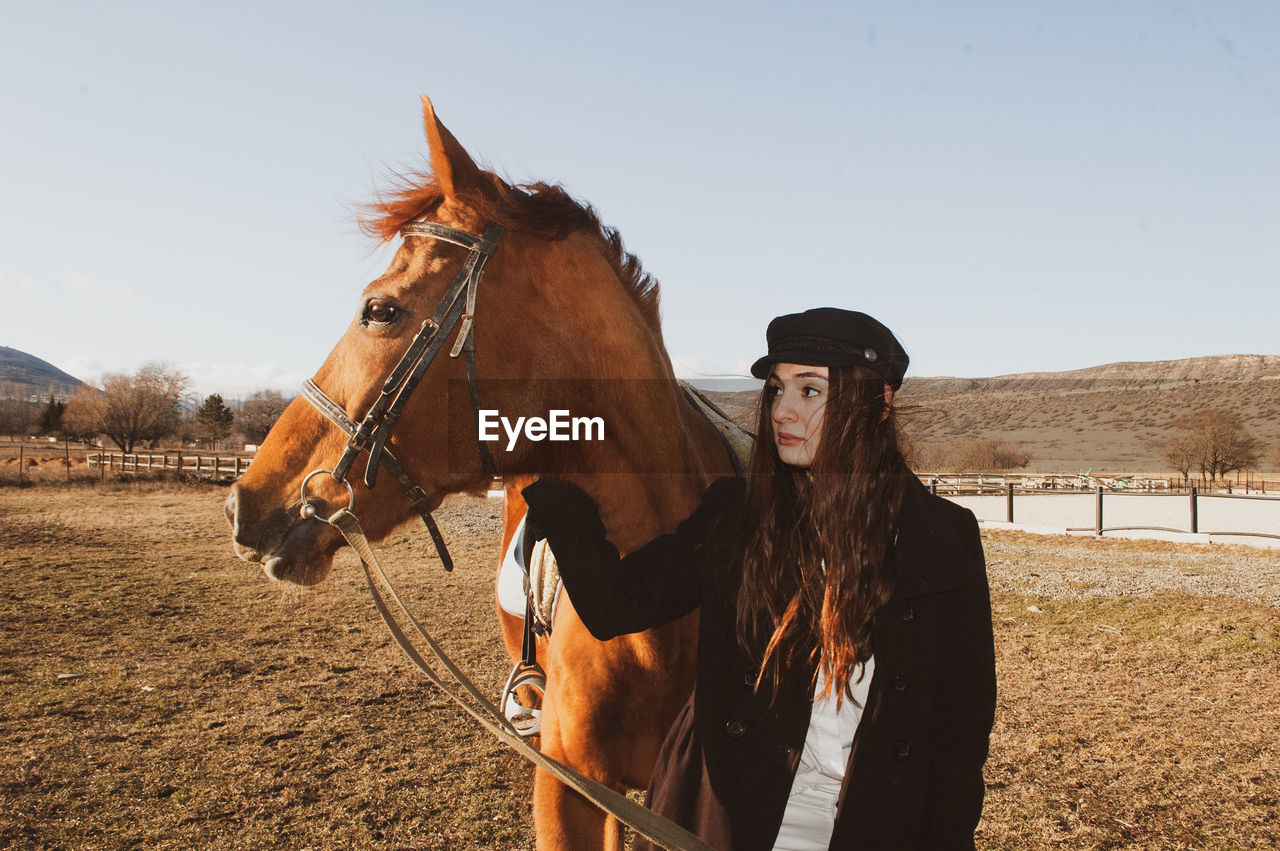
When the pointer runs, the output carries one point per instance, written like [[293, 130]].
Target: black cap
[[829, 336]]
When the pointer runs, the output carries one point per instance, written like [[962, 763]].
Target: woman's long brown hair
[[816, 560]]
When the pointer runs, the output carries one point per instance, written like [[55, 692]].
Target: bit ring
[[308, 508]]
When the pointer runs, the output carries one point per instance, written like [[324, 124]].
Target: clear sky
[[1010, 186]]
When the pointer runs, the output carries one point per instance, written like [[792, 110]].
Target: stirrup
[[526, 720]]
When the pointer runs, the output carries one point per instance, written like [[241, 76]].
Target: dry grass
[[215, 710], [1143, 722], [30, 464]]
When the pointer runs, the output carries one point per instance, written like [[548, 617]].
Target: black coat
[[914, 777]]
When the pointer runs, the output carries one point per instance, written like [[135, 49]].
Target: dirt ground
[[157, 692]]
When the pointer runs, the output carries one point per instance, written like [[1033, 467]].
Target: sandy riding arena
[[157, 692]]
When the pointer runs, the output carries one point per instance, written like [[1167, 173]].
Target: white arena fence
[[1214, 516]]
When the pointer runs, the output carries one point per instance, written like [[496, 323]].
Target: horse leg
[[563, 819], [566, 821], [592, 721]]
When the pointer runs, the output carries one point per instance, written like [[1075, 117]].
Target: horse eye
[[379, 312]]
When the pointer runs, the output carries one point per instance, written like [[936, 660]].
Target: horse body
[[560, 299]]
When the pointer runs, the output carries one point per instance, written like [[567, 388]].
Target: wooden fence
[[212, 467]]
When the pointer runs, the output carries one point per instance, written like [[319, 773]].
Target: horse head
[[559, 299]]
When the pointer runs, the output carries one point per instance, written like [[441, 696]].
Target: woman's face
[[798, 398]]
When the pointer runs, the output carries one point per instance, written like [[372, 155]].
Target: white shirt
[[811, 806]]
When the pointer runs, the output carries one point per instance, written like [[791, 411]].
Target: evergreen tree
[[51, 416], [214, 419]]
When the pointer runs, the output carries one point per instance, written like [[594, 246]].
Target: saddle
[[529, 583], [736, 439]]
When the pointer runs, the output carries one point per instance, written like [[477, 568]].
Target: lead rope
[[644, 821]]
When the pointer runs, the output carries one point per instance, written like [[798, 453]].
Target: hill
[[1107, 418], [28, 376], [1164, 374]]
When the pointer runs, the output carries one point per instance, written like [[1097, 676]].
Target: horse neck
[[659, 459], [636, 508], [661, 454]]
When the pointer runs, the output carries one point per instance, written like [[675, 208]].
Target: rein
[[371, 435], [644, 821]]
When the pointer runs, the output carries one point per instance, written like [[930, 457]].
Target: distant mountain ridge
[[34, 375], [1209, 368], [1162, 373], [1113, 416], [1165, 373], [1110, 417]]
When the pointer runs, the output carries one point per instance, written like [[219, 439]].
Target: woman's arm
[[965, 711], [656, 584]]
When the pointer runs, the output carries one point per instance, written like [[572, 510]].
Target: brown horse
[[560, 299]]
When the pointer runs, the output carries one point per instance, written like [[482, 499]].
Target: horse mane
[[544, 210]]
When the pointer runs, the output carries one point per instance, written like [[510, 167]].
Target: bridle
[[371, 435], [457, 306]]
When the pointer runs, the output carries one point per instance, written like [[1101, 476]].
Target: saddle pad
[[738, 440], [511, 576]]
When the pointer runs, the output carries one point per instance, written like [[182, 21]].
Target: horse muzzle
[[288, 547]]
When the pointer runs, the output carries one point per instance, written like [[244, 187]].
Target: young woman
[[845, 686]]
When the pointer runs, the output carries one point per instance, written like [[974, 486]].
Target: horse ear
[[455, 171]]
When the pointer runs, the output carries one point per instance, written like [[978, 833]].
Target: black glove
[[557, 506]]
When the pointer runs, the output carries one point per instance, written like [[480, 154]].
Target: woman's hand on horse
[[555, 502]]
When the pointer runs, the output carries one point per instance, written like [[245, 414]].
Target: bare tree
[[925, 456], [144, 406], [985, 456], [259, 413], [16, 416], [1215, 443], [1275, 455], [1180, 452]]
